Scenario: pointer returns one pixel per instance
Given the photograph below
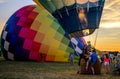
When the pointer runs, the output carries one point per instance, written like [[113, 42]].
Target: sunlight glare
[[110, 25]]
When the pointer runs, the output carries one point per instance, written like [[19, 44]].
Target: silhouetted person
[[71, 57], [42, 57]]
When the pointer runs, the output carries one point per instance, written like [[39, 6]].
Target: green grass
[[46, 70]]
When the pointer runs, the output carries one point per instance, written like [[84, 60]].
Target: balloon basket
[[97, 68]]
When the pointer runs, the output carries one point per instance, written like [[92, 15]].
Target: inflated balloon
[[77, 17], [31, 33]]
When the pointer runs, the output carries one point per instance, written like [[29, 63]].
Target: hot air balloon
[[77, 17], [27, 36]]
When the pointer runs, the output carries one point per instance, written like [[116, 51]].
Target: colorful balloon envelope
[[31, 33], [77, 17]]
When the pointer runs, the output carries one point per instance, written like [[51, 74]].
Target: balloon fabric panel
[[86, 14], [26, 35]]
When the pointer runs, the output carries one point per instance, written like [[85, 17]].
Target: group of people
[[107, 60], [90, 56], [117, 61], [117, 64]]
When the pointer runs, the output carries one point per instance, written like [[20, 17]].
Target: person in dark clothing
[[42, 57], [84, 55], [71, 57]]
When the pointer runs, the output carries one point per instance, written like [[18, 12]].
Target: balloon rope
[[88, 6], [65, 8], [96, 37], [97, 29], [56, 9]]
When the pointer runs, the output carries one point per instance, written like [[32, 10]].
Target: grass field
[[46, 70]]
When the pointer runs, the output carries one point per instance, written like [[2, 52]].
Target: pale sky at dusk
[[109, 29], [108, 33]]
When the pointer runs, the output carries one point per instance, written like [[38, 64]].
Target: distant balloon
[[77, 17], [31, 33]]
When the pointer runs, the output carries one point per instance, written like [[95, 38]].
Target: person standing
[[85, 52], [117, 61], [42, 57], [92, 60], [71, 57], [106, 63]]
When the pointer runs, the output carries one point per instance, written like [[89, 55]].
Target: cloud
[[2, 1], [110, 3], [110, 24], [109, 31], [1, 28], [111, 14]]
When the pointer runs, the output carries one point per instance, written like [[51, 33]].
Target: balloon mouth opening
[[83, 26], [82, 33]]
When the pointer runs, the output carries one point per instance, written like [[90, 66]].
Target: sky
[[108, 37], [108, 34]]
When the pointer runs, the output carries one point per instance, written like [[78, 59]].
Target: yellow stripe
[[36, 1]]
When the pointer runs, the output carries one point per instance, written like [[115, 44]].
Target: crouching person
[[92, 60]]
